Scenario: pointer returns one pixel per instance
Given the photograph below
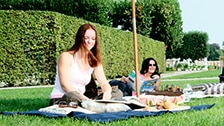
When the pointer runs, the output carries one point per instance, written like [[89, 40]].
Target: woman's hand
[[107, 95], [157, 88], [124, 79]]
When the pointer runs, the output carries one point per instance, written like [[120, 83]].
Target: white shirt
[[79, 79]]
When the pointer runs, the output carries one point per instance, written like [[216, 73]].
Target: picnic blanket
[[106, 116]]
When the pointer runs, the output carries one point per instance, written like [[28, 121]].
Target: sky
[[205, 16]]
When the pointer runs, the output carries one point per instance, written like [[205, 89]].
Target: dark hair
[[93, 55], [145, 67]]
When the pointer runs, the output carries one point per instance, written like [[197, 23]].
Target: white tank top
[[79, 79]]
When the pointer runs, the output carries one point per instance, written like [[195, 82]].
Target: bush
[[31, 42]]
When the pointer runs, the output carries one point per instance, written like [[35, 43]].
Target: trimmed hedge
[[31, 42]]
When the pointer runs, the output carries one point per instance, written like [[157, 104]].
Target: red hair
[[93, 55]]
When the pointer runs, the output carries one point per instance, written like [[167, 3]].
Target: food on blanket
[[173, 88], [169, 105], [149, 102], [163, 105], [165, 93], [159, 105], [166, 104], [168, 91], [175, 100]]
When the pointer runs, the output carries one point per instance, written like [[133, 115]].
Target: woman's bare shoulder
[[156, 76], [65, 54], [66, 57]]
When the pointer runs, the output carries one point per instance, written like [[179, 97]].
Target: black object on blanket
[[107, 116]]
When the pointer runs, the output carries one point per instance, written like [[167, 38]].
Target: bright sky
[[206, 16]]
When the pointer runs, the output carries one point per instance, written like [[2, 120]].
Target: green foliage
[[118, 52], [92, 10], [122, 15], [194, 41], [95, 11], [31, 42], [214, 52], [179, 65], [167, 24], [27, 42], [156, 19]]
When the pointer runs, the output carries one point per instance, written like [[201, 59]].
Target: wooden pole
[[135, 48]]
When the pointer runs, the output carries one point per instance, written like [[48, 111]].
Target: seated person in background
[[149, 71]]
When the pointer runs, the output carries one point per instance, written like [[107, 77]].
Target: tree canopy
[[167, 24], [195, 46]]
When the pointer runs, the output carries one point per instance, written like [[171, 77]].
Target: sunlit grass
[[19, 100], [192, 78], [202, 74]]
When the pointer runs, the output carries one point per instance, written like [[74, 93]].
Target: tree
[[215, 45], [122, 16], [167, 25], [156, 19], [213, 54], [195, 46]]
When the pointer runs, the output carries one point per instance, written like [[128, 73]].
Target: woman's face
[[90, 37], [152, 66]]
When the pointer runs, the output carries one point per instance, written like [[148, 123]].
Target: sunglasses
[[152, 64], [63, 104]]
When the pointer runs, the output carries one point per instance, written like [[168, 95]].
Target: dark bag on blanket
[[91, 89]]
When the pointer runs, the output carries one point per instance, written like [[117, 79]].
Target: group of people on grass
[[76, 66]]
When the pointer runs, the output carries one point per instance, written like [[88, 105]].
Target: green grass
[[20, 100], [202, 74], [192, 78]]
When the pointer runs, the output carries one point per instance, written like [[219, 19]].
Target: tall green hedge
[[31, 42]]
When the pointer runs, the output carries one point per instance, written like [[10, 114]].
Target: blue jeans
[[125, 88]]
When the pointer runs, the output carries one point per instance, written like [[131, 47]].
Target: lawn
[[34, 98], [202, 74]]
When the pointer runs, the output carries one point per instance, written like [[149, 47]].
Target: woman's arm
[[158, 83], [101, 78], [64, 63]]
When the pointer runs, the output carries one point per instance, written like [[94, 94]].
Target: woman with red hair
[[76, 65]]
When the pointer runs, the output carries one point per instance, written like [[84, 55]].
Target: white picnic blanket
[[97, 106], [201, 94]]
